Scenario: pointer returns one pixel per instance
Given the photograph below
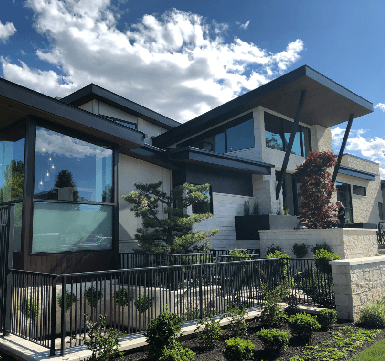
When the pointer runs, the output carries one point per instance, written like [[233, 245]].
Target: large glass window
[[70, 169], [61, 227], [277, 135], [71, 172]]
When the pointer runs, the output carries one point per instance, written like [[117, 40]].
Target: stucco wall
[[357, 283], [365, 208], [321, 138], [346, 242], [225, 207], [133, 170]]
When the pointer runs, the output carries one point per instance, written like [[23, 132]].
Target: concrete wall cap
[[355, 261]]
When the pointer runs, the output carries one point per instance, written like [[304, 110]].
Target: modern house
[[65, 163]]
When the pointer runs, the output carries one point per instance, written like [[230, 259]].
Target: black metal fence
[[381, 234], [131, 298]]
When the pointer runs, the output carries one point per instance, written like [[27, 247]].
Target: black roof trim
[[41, 102], [93, 91], [217, 160], [301, 78], [357, 173]]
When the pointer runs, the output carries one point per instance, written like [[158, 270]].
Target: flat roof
[[327, 104], [17, 102], [217, 160], [93, 91], [356, 173]]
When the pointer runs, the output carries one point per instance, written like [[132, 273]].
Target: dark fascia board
[[217, 160], [152, 155], [49, 108], [92, 91], [356, 173], [327, 103]]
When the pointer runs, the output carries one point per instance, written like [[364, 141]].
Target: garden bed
[[295, 346]]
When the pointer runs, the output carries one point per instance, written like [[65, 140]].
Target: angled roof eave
[[92, 91], [356, 173], [327, 104]]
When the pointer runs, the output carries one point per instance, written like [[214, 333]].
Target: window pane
[[241, 136], [17, 227], [12, 165], [220, 146], [306, 140], [358, 190], [287, 128], [70, 169], [61, 227], [203, 206], [273, 131], [380, 211]]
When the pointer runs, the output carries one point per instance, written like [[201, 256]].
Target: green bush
[[70, 299], [29, 308], [123, 297], [143, 303], [300, 250], [209, 331], [273, 249], [322, 258], [237, 315], [272, 313], [274, 340], [326, 318], [93, 296], [237, 349], [163, 332], [318, 246], [239, 255], [177, 353], [304, 325], [282, 274], [374, 315]]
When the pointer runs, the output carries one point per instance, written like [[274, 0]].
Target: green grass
[[373, 353]]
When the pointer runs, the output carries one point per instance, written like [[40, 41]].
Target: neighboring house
[[66, 163]]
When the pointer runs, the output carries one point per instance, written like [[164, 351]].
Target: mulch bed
[[295, 346]]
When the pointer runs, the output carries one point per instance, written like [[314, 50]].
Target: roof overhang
[[356, 173], [327, 104], [216, 160], [92, 91], [18, 102]]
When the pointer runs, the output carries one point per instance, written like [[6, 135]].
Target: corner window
[[359, 191], [277, 135]]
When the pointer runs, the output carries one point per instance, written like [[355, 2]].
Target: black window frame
[[358, 188]]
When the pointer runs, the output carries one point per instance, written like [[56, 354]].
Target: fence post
[[53, 317], [201, 290], [63, 316]]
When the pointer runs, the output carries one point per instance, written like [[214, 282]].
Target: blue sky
[[182, 58]]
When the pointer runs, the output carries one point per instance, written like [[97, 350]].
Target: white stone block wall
[[346, 242], [358, 282]]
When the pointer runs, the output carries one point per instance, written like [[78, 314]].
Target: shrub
[[143, 303], [123, 297], [93, 296], [300, 250], [273, 249], [326, 318], [374, 315], [272, 313], [103, 344], [239, 254], [246, 208], [237, 349], [304, 325], [282, 270], [210, 331], [163, 332], [322, 258], [70, 299], [274, 340], [177, 353], [237, 314], [29, 308], [318, 246], [256, 208]]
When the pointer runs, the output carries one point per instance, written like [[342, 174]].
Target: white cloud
[[6, 31], [381, 106], [245, 25], [176, 64], [368, 148]]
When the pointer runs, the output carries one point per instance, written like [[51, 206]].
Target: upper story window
[[277, 135], [237, 134], [359, 191]]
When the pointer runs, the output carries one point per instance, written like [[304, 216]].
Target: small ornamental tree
[[174, 233], [316, 190]]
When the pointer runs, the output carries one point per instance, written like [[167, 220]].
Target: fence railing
[[47, 307], [381, 233]]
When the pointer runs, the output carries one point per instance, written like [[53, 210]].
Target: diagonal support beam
[[346, 135], [291, 141]]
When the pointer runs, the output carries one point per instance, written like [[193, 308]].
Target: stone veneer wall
[[347, 242], [357, 283]]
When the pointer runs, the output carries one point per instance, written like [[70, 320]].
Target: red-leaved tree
[[316, 190]]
